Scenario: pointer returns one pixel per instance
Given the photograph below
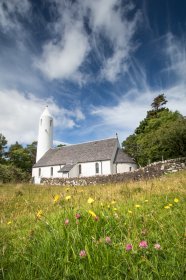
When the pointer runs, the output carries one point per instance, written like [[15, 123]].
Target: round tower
[[45, 135]]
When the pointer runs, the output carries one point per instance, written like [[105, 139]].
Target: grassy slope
[[46, 248]]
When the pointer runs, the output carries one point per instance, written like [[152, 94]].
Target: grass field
[[124, 231]]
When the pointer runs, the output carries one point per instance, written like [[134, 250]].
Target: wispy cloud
[[64, 56], [132, 107], [20, 113]]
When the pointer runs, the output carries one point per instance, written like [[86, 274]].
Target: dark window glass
[[130, 168], [51, 171], [97, 167], [79, 169], [50, 122], [39, 172]]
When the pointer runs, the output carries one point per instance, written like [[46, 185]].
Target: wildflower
[[90, 200], [167, 207], [128, 247], [66, 221], [68, 197], [92, 213], [176, 200], [108, 240], [146, 200], [39, 214], [129, 211], [170, 204], [157, 246], [143, 244], [9, 222], [137, 206], [78, 216], [115, 209], [113, 202], [56, 198], [82, 254]]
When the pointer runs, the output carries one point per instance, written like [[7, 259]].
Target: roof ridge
[[113, 138]]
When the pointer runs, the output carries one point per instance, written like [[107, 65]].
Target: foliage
[[16, 161], [3, 143], [136, 233], [161, 135], [10, 173]]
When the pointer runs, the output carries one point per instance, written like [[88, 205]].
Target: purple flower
[[82, 253], [143, 244], [66, 221], [128, 247], [78, 216], [157, 246], [108, 239]]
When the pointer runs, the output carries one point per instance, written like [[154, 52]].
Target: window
[[41, 121], [97, 167], [79, 169], [39, 172], [130, 168], [51, 171], [50, 122]]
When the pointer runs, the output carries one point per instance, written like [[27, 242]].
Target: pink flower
[[78, 216], [66, 221], [143, 244], [128, 247], [157, 246], [82, 253], [108, 239]]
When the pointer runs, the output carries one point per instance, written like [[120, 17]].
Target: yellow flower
[[113, 202], [90, 200], [101, 204], [56, 198], [39, 214], [176, 200], [170, 204], [129, 211], [9, 222], [137, 206], [146, 200], [167, 207], [115, 209], [68, 197], [92, 213]]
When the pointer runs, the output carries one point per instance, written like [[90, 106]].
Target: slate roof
[[66, 168], [122, 157], [85, 152]]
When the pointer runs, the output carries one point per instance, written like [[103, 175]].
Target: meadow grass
[[94, 232]]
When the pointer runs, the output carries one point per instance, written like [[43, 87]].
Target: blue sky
[[96, 64]]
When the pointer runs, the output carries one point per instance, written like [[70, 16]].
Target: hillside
[[122, 231]]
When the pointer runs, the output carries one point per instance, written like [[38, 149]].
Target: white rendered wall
[[46, 172], [125, 167], [45, 135], [89, 168], [106, 167]]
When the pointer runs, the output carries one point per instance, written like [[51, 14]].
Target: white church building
[[101, 157]]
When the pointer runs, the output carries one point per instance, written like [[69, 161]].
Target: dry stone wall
[[150, 171]]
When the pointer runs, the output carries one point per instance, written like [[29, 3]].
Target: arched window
[[39, 172], [51, 171], [97, 167], [50, 122], [79, 169]]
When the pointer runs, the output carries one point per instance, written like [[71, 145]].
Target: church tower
[[45, 135]]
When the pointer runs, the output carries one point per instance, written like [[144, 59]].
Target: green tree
[[3, 143], [159, 135], [158, 102]]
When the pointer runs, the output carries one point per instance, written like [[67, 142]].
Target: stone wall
[[153, 170]]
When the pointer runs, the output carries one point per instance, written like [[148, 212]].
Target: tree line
[[160, 136], [16, 161]]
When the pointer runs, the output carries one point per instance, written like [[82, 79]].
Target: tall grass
[[42, 237]]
